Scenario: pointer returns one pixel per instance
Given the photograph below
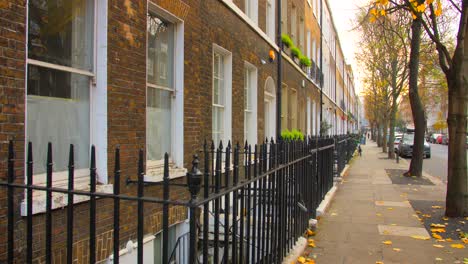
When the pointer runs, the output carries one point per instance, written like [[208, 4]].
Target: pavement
[[374, 218]]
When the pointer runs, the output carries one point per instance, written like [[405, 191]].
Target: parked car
[[445, 139], [405, 147], [433, 138], [396, 143]]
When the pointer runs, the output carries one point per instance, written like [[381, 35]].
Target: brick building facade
[[157, 75]]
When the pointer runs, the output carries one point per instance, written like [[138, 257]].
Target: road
[[437, 164]]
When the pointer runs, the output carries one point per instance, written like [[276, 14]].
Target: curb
[[326, 201], [296, 251], [433, 179]]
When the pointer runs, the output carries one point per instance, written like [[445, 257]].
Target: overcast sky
[[344, 12]]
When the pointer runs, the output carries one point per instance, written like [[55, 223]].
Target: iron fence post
[[194, 178]]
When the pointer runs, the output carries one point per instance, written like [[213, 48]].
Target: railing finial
[[194, 178]]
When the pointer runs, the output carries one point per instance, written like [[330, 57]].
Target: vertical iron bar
[[140, 208], [217, 204], [166, 209], [206, 189], [264, 201], [235, 204], [117, 206], [254, 206], [269, 199], [11, 212], [248, 203], [49, 205], [29, 227], [71, 179], [261, 205], [92, 213], [227, 168]]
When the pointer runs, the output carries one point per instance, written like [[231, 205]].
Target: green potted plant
[[305, 62], [296, 54], [287, 43], [324, 127]]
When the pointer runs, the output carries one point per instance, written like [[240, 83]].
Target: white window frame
[[227, 55], [284, 16], [294, 109], [251, 10], [97, 118], [294, 24], [270, 19], [154, 169], [251, 134]]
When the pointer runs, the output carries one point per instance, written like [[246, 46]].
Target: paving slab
[[368, 209]]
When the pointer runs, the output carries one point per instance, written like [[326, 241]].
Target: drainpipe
[[279, 80], [321, 65]]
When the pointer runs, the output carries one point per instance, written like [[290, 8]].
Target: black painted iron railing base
[[255, 201]]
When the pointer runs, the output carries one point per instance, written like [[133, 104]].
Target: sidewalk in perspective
[[371, 218]]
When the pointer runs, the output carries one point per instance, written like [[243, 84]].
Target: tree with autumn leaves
[[426, 19], [384, 57]]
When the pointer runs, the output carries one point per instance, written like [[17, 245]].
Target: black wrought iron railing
[[247, 204]]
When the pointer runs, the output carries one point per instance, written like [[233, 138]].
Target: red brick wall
[[12, 98]]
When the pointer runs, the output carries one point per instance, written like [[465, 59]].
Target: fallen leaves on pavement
[[421, 237], [397, 249], [460, 246], [387, 242], [438, 246]]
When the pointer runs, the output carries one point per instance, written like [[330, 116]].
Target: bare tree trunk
[[417, 109], [394, 107], [457, 182], [379, 135], [391, 138], [384, 136]]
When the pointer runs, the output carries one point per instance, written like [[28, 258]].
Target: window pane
[[58, 112], [158, 123], [218, 124], [160, 66], [61, 32]]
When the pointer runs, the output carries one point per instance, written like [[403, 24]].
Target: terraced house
[[160, 76]]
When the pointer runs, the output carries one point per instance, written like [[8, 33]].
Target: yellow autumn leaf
[[421, 8], [378, 214], [420, 237], [445, 218], [397, 249], [438, 246], [382, 12], [429, 1], [310, 240], [437, 230], [387, 242], [383, 2], [379, 262], [310, 232], [449, 239], [390, 208], [374, 12], [301, 260], [438, 225], [438, 259], [436, 207], [438, 11], [436, 236], [312, 245], [427, 215], [465, 240], [460, 246]]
